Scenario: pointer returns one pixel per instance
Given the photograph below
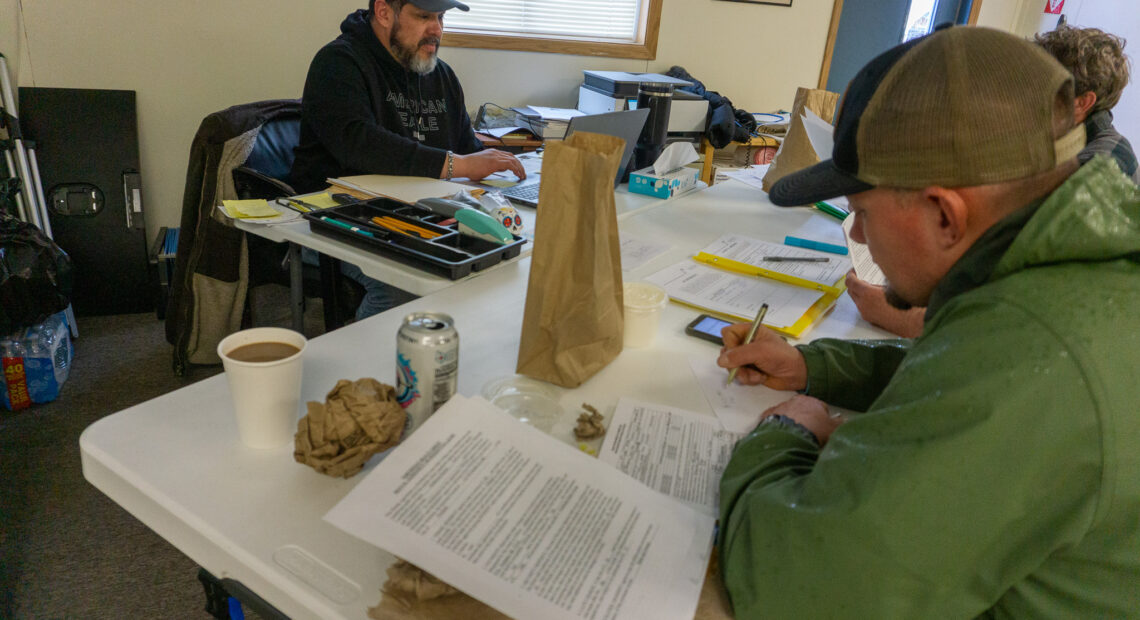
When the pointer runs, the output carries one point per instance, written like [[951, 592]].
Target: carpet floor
[[66, 550]]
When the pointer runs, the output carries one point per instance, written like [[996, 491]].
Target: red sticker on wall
[[1054, 6]]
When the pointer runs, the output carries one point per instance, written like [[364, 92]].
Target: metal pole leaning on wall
[[10, 163], [35, 212], [22, 164], [39, 189]]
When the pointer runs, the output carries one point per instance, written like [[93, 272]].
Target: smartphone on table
[[707, 327]]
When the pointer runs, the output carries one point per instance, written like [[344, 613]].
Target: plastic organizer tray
[[450, 255]]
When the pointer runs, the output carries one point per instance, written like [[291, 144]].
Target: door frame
[[833, 28]]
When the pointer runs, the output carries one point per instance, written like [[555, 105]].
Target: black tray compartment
[[450, 255]]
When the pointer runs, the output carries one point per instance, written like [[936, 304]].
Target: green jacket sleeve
[[851, 373], [930, 504]]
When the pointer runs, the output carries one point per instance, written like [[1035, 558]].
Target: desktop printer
[[614, 91]]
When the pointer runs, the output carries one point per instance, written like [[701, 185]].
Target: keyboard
[[526, 193]]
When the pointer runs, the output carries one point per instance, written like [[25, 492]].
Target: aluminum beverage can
[[427, 365]]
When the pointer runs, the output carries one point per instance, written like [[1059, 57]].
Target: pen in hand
[[751, 335]]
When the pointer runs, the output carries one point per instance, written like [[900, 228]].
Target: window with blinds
[[612, 21], [614, 28]]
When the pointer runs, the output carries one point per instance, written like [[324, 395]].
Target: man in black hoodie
[[377, 100]]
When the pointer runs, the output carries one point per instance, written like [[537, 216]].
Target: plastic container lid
[[528, 400], [643, 296]]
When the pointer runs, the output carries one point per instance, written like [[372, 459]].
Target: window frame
[[644, 49]]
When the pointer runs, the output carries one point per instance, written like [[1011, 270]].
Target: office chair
[[263, 175]]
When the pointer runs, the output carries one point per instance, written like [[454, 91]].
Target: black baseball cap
[[960, 107], [439, 6]]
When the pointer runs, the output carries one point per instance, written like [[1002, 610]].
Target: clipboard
[[826, 289]]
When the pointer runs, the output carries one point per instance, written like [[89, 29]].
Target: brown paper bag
[[796, 152], [572, 323], [712, 605]]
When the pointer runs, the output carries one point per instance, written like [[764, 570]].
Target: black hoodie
[[361, 109]]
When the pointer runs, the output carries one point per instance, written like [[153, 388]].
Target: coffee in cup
[[263, 369]]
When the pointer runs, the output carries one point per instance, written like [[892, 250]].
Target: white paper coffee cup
[[266, 395], [643, 303]]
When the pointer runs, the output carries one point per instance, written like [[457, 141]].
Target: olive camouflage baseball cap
[[960, 107]]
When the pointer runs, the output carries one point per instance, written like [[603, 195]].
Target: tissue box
[[644, 181]]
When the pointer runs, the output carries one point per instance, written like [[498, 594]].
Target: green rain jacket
[[995, 468]]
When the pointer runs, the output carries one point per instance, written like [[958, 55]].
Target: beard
[[408, 56], [895, 300]]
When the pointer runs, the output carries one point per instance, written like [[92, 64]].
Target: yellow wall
[[187, 59]]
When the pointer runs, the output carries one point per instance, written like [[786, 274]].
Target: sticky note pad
[[249, 209], [323, 200]]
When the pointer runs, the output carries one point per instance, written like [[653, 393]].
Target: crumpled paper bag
[[796, 152], [411, 594], [357, 420]]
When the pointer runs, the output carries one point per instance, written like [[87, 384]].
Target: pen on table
[[832, 210], [347, 226], [796, 259], [815, 245], [751, 335], [285, 203], [302, 203]]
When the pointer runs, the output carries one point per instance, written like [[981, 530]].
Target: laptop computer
[[626, 125]]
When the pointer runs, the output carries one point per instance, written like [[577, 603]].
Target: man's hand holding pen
[[769, 360]]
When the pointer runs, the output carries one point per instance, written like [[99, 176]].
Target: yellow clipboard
[[806, 320], [752, 270]]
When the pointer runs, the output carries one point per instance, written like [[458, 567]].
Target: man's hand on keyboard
[[477, 166]]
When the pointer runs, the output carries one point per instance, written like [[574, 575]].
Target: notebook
[[626, 125]]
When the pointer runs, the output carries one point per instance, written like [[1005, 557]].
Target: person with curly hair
[[1100, 72]]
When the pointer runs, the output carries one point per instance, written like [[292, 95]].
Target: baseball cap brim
[[814, 183], [437, 6]]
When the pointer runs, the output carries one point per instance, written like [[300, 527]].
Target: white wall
[[10, 37], [187, 59], [1000, 14]]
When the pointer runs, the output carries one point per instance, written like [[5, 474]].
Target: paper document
[[280, 215], [753, 176], [527, 524], [820, 133], [753, 251], [502, 132], [636, 251], [738, 407], [680, 453], [734, 295], [820, 227], [404, 189], [249, 209], [556, 114], [860, 255], [321, 200]]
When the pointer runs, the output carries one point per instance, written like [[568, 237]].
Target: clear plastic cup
[[643, 304], [530, 401]]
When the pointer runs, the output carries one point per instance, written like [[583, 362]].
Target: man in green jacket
[[991, 467]]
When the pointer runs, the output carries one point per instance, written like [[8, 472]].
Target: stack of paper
[[548, 123], [731, 278], [257, 211], [529, 525], [404, 189]]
